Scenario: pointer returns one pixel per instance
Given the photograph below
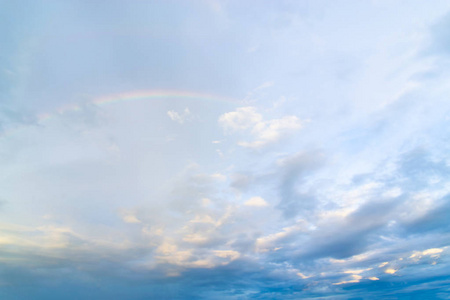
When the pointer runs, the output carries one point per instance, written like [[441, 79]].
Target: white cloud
[[256, 201], [246, 119], [271, 241], [179, 117], [168, 252], [241, 119], [131, 219]]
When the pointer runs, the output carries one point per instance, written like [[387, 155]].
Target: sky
[[224, 149]]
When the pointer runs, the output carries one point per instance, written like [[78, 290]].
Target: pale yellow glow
[[355, 279], [432, 251], [358, 271], [302, 276]]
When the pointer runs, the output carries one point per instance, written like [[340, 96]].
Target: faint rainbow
[[141, 95], [131, 96]]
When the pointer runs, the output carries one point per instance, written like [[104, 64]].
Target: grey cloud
[[378, 216], [240, 181], [437, 219], [294, 169], [339, 244]]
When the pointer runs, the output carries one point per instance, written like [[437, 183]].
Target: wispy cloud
[[179, 117]]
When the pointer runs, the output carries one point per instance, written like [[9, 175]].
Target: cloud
[[354, 279], [131, 219], [247, 120], [241, 119], [325, 230], [241, 181], [272, 241], [256, 202], [432, 252], [179, 117], [292, 172], [356, 207]]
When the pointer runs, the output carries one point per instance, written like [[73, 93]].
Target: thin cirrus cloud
[[112, 188]]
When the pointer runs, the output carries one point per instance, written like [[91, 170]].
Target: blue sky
[[224, 149]]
